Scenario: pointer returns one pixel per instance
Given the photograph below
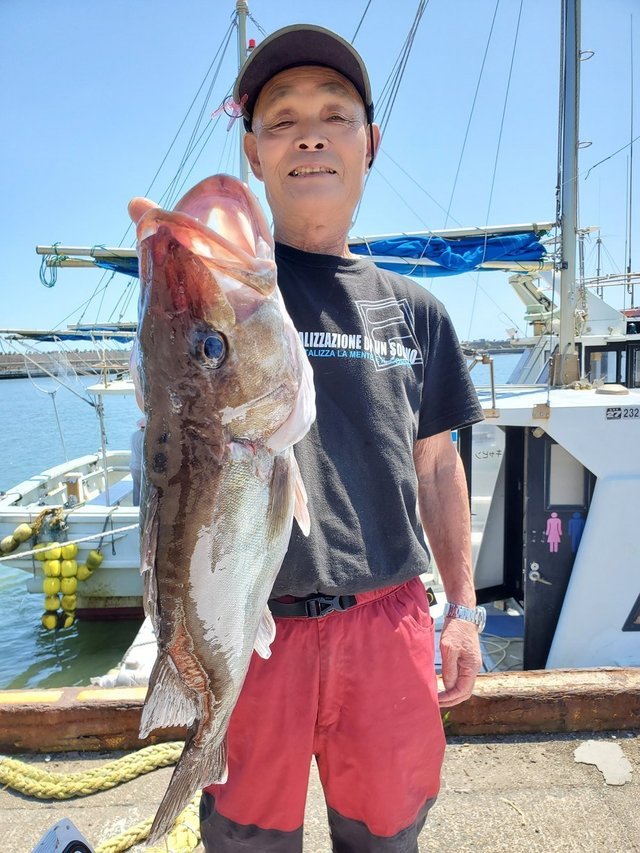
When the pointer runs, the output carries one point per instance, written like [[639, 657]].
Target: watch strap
[[476, 615]]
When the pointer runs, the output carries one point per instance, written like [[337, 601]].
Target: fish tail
[[169, 702], [197, 767]]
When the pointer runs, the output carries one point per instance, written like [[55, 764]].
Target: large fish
[[227, 391]]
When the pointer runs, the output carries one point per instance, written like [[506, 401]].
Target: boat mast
[[242, 11], [630, 189], [566, 368]]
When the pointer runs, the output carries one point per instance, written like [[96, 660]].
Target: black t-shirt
[[387, 371]]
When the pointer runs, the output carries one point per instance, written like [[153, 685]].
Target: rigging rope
[[401, 63], [420, 187], [51, 375], [260, 28], [497, 155], [49, 274], [208, 130], [473, 106], [108, 275], [364, 14], [173, 141], [169, 194], [114, 532], [604, 160], [391, 87]]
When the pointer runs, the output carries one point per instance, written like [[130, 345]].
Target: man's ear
[[250, 145], [373, 137]]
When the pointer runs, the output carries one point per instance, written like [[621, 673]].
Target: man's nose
[[311, 138], [305, 144]]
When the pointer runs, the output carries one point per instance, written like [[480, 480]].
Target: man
[[351, 679]]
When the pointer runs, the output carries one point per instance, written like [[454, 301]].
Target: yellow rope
[[48, 785], [128, 838], [184, 837]]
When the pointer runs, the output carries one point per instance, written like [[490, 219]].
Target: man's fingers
[[461, 660], [461, 690], [449, 670]]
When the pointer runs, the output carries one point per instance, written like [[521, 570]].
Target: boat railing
[[51, 488]]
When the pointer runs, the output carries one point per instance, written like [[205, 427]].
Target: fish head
[[216, 344]]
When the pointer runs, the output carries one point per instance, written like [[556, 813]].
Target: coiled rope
[[183, 838], [48, 785]]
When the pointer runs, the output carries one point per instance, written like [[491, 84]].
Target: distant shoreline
[[81, 363], [94, 363]]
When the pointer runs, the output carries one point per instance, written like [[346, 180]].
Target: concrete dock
[[499, 793]]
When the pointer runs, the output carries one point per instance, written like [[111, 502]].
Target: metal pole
[[103, 442], [567, 363], [629, 281], [242, 10]]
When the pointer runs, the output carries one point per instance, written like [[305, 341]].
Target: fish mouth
[[307, 171], [221, 223]]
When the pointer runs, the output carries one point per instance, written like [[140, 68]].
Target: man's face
[[310, 143]]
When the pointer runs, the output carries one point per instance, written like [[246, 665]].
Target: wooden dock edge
[[536, 702]]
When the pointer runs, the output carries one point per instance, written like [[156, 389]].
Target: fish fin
[[303, 412], [149, 519], [169, 703], [198, 766], [149, 523], [279, 509], [266, 634], [300, 508]]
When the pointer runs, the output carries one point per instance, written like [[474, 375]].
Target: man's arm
[[444, 512]]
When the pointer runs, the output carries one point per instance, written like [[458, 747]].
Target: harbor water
[[30, 442]]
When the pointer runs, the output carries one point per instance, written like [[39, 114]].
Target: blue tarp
[[453, 256], [127, 266]]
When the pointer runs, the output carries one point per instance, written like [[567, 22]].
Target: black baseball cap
[[291, 47]]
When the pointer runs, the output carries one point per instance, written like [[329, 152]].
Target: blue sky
[[94, 93]]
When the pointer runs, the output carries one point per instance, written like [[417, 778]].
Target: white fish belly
[[235, 562]]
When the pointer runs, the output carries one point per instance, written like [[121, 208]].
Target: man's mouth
[[303, 171]]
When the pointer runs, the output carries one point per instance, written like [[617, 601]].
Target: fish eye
[[211, 349]]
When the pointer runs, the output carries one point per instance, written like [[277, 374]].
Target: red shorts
[[358, 690]]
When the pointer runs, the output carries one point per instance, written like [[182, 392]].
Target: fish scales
[[227, 392]]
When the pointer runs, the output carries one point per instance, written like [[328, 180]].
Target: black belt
[[313, 606]]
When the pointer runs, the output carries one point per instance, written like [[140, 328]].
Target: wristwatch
[[477, 615]]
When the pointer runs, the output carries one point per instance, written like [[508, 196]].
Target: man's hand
[[461, 660]]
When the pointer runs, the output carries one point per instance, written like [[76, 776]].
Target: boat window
[[566, 482], [607, 364], [602, 365], [517, 371], [635, 367], [543, 378]]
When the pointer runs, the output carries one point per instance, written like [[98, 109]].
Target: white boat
[[90, 502], [560, 533]]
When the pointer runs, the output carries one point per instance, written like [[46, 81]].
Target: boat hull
[[104, 518]]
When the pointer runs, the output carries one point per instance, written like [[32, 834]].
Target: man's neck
[[319, 239]]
